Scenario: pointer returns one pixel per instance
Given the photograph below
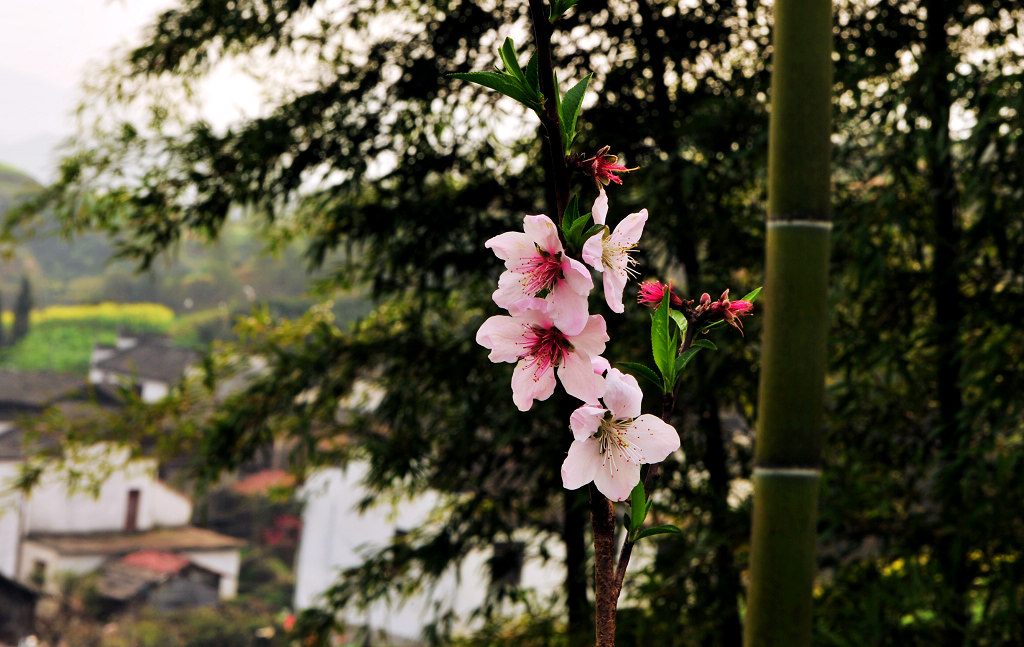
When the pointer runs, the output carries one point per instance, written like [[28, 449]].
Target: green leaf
[[680, 320], [661, 344], [658, 530], [569, 111], [575, 235], [503, 83], [752, 295], [511, 61], [571, 215], [533, 76], [685, 357], [638, 507], [559, 7], [720, 322], [593, 230], [639, 370], [705, 343]]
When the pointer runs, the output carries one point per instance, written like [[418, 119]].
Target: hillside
[[230, 276]]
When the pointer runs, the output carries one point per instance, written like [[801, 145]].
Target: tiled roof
[[123, 543], [264, 481], [37, 389], [151, 360], [157, 561]]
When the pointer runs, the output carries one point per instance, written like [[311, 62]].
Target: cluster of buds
[[705, 313]]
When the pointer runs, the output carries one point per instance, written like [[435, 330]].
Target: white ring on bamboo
[[810, 224], [797, 472]]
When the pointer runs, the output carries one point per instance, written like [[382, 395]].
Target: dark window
[[131, 517], [38, 575]]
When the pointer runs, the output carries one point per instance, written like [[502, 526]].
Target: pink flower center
[[546, 347], [541, 272]]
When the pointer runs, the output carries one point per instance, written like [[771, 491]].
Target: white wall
[[52, 508], [10, 519], [335, 536], [224, 562]]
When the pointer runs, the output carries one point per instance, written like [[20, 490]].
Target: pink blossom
[[539, 348], [651, 294], [608, 253], [600, 209], [603, 167], [730, 311], [611, 443], [535, 262]]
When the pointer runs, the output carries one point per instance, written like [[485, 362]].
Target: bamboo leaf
[[569, 110], [658, 530], [639, 370]]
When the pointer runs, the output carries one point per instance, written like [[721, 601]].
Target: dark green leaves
[[513, 81], [559, 7], [569, 110], [661, 344], [574, 226], [639, 506]]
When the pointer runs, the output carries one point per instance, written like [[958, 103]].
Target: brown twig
[[550, 122]]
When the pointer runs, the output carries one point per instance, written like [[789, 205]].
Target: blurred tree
[[22, 311]]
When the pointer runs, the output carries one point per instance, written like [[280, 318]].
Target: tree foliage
[[367, 147]]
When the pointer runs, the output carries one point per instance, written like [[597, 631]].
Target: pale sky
[[46, 48]]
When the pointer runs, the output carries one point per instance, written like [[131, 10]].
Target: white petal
[[530, 382], [593, 251], [654, 437], [578, 378], [585, 421], [622, 395], [512, 247], [504, 337], [511, 288], [579, 466], [600, 364], [600, 208], [617, 476], [577, 276], [593, 338], [543, 232], [567, 309], [614, 282], [627, 233]]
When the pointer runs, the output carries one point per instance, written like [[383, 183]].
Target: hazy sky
[[46, 47]]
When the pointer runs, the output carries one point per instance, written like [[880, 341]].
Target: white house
[[149, 363], [335, 536]]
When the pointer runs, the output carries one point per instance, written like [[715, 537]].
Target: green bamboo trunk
[[788, 453]]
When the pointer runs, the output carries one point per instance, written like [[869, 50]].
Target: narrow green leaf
[[705, 343], [571, 215], [661, 344], [511, 61], [637, 506], [685, 357], [680, 320], [503, 83], [575, 234], [639, 370], [712, 326], [569, 110], [593, 230], [658, 530], [533, 76], [752, 295], [559, 7]]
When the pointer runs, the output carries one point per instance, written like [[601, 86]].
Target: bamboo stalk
[[787, 459]]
